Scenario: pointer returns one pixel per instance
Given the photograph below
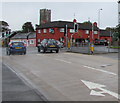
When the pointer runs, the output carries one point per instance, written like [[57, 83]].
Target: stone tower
[[45, 16]]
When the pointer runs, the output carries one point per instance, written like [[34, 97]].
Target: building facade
[[45, 16], [29, 39], [55, 30], [106, 35], [5, 31]]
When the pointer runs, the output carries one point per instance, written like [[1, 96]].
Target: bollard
[[92, 48]]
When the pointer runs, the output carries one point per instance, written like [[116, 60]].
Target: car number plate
[[52, 45], [17, 47]]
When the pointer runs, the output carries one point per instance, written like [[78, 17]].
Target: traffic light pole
[[66, 35]]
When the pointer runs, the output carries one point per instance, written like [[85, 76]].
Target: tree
[[87, 22], [27, 27], [4, 23]]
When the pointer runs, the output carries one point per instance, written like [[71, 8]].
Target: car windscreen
[[52, 42], [18, 43]]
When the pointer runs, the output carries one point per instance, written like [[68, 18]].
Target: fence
[[86, 48]]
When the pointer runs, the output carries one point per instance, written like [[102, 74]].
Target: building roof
[[24, 35], [70, 25], [105, 33], [32, 35]]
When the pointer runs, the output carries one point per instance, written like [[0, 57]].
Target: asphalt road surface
[[68, 76], [15, 89]]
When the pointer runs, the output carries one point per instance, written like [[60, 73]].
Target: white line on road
[[28, 82], [63, 60], [100, 70]]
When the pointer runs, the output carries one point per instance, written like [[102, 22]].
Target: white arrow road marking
[[93, 92], [92, 85], [100, 70]]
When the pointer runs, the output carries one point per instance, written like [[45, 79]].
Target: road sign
[[92, 86]]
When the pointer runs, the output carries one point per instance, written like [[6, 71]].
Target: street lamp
[[99, 17], [99, 22]]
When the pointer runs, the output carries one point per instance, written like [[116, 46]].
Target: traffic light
[[76, 27], [65, 30]]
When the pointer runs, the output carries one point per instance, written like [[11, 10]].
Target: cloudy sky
[[17, 13]]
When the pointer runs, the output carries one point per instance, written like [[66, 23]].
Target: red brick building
[[105, 35], [55, 30]]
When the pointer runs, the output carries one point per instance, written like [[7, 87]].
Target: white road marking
[[40, 54], [93, 92], [27, 82], [106, 65], [63, 61], [92, 85], [100, 70]]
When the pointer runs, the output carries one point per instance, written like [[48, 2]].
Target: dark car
[[60, 44], [48, 45], [16, 47], [100, 42], [97, 42]]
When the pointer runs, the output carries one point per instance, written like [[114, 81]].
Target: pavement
[[97, 50], [15, 89]]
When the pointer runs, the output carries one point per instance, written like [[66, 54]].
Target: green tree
[[87, 22], [27, 27]]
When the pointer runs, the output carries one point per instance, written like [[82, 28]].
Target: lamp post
[[99, 17], [99, 21]]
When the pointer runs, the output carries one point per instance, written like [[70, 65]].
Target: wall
[[26, 42]]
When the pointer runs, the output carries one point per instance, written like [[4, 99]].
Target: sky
[[17, 13]]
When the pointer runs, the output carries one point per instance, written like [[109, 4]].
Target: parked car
[[60, 44], [16, 47], [97, 42], [100, 42], [48, 45]]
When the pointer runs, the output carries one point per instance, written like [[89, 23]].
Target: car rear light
[[10, 45], [46, 44]]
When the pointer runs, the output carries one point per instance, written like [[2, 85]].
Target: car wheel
[[24, 52], [57, 51], [38, 49], [8, 52], [44, 50], [51, 51]]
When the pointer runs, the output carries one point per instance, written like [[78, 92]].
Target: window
[[86, 31], [95, 32], [39, 31], [71, 30], [25, 42], [61, 29], [51, 30], [31, 41], [38, 40], [44, 30]]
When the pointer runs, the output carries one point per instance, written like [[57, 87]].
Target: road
[[15, 89], [68, 76]]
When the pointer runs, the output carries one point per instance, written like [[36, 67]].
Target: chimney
[[95, 23]]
